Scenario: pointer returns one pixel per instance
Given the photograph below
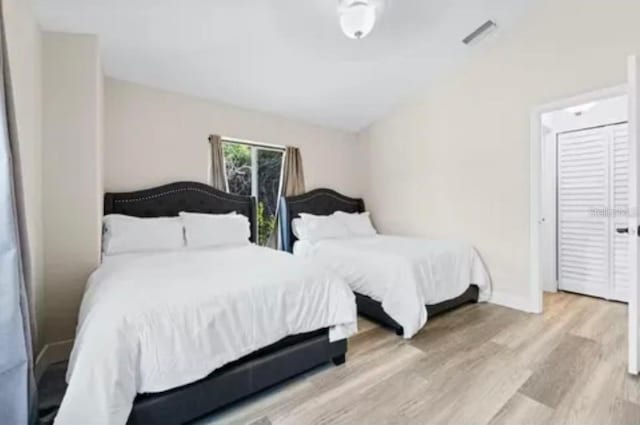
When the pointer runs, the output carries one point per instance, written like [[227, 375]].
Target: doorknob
[[622, 230]]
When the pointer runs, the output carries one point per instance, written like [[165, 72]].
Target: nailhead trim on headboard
[[169, 192], [324, 194]]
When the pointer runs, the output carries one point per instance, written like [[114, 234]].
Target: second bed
[[398, 281]]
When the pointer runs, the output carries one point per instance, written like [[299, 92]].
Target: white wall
[[24, 45], [72, 174], [455, 162], [154, 137]]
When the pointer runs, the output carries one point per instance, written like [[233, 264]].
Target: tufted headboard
[[318, 202], [170, 199]]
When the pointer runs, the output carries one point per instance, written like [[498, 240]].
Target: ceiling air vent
[[480, 32]]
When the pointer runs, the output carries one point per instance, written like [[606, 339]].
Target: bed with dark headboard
[[318, 202], [169, 200], [257, 371], [326, 202]]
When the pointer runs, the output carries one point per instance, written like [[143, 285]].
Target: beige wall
[[154, 137], [72, 174], [455, 162], [24, 44]]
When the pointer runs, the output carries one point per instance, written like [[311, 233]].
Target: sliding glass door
[[254, 170]]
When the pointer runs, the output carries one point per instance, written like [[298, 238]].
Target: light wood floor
[[482, 364]]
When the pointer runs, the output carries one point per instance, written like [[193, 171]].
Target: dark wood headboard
[[318, 202], [171, 199]]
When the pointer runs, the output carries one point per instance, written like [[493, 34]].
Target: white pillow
[[122, 234], [314, 228], [208, 230], [358, 224], [298, 229]]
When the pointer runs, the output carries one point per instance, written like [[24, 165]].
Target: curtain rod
[[251, 143]]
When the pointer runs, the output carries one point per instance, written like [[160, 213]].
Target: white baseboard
[[52, 353], [512, 301]]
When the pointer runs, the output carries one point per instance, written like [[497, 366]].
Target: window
[[254, 170]]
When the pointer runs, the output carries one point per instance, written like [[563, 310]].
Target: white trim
[[252, 143], [633, 333], [512, 301], [52, 353], [548, 235], [535, 265], [255, 182]]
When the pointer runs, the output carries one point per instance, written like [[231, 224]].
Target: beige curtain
[[292, 173], [218, 172], [292, 185]]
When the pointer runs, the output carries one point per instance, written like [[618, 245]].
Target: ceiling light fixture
[[358, 17]]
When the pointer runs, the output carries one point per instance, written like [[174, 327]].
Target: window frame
[[254, 147]]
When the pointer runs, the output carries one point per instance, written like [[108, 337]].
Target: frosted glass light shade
[[357, 19]]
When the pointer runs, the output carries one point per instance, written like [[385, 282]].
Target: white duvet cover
[[404, 274], [151, 322]]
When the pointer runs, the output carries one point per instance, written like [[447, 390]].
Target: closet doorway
[[585, 198]]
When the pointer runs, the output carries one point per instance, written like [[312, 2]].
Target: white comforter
[[151, 322], [402, 273]]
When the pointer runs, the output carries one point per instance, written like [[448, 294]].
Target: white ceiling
[[287, 57]]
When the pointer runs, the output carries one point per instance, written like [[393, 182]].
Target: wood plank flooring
[[481, 364]]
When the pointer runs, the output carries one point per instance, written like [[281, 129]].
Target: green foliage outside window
[[266, 224], [238, 164], [237, 159]]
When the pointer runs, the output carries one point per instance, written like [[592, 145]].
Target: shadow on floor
[[51, 388]]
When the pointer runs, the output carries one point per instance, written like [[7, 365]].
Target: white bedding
[[402, 273], [151, 322]]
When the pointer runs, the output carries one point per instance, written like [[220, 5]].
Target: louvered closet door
[[593, 199], [583, 237], [620, 173]]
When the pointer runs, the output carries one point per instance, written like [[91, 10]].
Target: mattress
[[404, 274], [152, 322]]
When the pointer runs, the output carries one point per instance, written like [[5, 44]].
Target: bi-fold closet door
[[593, 197]]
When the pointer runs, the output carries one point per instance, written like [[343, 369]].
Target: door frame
[[536, 288], [549, 245]]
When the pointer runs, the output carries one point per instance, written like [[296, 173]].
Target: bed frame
[[326, 202], [235, 381]]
